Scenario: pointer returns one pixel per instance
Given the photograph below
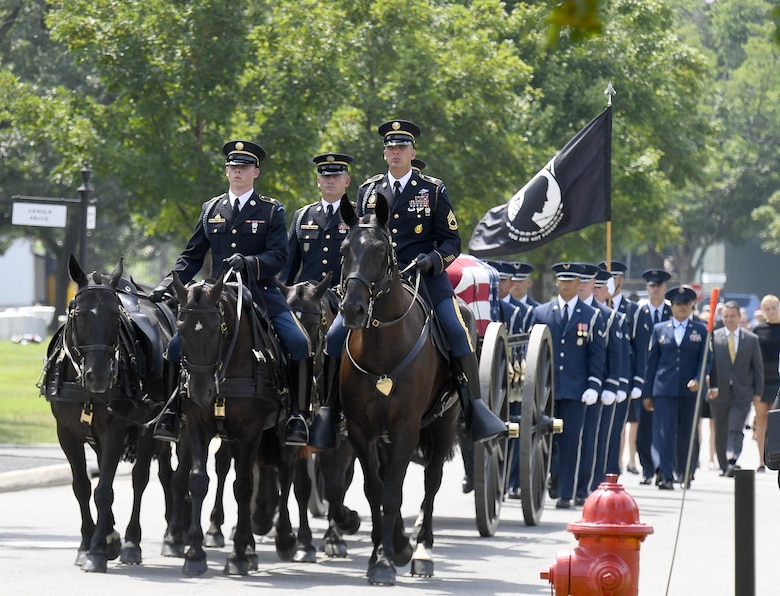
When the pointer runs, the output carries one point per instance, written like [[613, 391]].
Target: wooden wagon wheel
[[490, 457], [537, 424], [318, 506]]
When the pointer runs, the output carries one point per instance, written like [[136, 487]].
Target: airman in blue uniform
[[578, 353], [678, 349], [247, 232], [598, 417], [521, 282], [424, 231], [654, 311]]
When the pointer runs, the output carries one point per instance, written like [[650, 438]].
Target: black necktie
[[329, 211], [656, 317], [565, 318], [236, 209], [397, 190]]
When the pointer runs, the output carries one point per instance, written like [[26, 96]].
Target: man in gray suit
[[736, 378]]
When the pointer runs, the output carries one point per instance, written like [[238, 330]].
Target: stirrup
[[297, 437]]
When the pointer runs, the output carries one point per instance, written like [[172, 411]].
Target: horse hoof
[[305, 554], [95, 564], [113, 545], [194, 567], [381, 573], [130, 554], [253, 560], [235, 566], [173, 550], [404, 555], [352, 524], [81, 556], [286, 545], [422, 568], [336, 548], [214, 540]]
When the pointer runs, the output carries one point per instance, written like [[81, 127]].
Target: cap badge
[[331, 158], [239, 146], [396, 125]]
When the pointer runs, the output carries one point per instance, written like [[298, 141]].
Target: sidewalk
[[34, 466]]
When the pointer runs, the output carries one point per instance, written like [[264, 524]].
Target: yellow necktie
[[732, 351]]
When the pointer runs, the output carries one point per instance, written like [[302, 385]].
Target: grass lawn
[[25, 416]]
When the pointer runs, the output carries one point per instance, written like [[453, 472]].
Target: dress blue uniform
[[670, 367], [628, 311], [578, 355], [643, 332], [598, 417]]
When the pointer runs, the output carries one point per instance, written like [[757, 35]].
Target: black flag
[[570, 193]]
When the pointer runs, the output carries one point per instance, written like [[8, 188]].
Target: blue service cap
[[567, 271], [520, 271], [618, 267], [588, 271], [602, 277], [684, 293], [656, 276], [501, 267], [399, 132], [243, 153], [332, 164]]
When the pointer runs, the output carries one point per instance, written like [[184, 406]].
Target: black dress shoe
[[646, 481], [579, 501], [632, 470], [167, 428], [297, 431], [514, 493], [552, 488], [731, 469], [468, 485], [563, 504], [666, 485]]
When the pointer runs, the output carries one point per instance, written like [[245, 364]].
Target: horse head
[[202, 329], [309, 303], [92, 328], [369, 268]]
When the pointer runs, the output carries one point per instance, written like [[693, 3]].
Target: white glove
[[621, 396], [608, 397], [590, 397], [636, 393]]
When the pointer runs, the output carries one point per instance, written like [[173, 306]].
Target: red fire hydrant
[[606, 562]]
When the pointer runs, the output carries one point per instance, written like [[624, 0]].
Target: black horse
[[233, 377], [396, 391], [333, 468], [106, 380]]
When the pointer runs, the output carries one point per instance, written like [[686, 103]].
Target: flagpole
[[609, 92]]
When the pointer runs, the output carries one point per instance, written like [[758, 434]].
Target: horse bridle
[[218, 368], [383, 283], [75, 352]]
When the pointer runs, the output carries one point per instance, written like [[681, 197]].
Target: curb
[[36, 478]]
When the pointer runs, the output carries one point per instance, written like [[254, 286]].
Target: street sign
[[45, 215]]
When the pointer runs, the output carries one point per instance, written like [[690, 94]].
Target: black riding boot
[[481, 422], [323, 427], [301, 376], [168, 427]]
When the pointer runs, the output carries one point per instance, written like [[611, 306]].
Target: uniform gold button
[[232, 245], [395, 245], [324, 261], [395, 216], [395, 231], [324, 249], [234, 231], [327, 236]]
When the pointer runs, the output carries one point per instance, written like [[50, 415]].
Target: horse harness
[[136, 348], [385, 382], [258, 385]]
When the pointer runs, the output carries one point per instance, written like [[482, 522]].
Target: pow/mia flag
[[571, 192]]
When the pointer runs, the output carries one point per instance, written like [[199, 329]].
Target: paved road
[[39, 535]]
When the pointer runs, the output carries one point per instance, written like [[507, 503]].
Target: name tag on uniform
[[217, 219]]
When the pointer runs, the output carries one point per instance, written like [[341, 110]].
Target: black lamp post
[[84, 190]]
